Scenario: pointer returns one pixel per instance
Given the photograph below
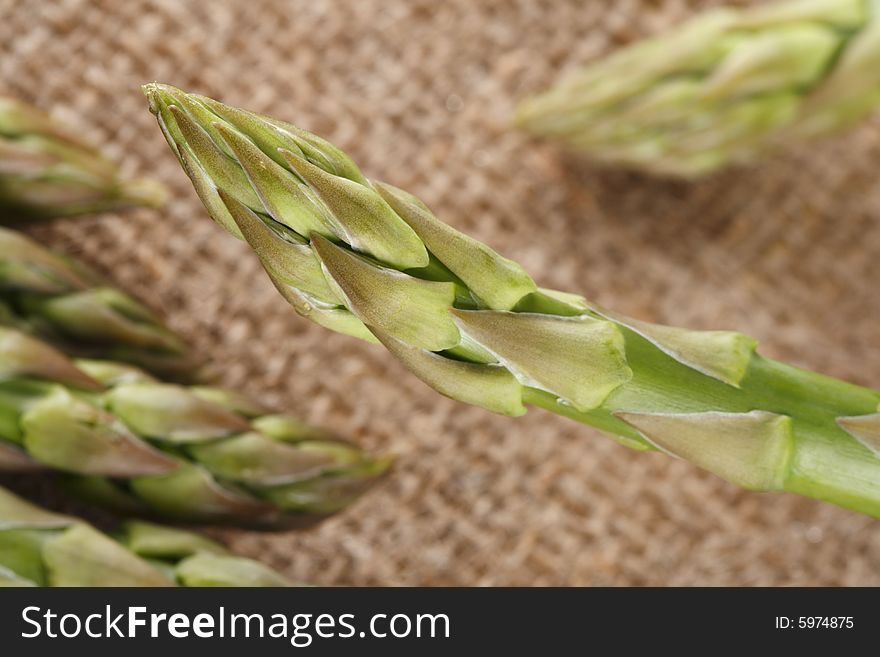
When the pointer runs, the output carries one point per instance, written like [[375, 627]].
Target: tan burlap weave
[[418, 92]]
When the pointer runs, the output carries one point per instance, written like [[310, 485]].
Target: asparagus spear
[[370, 260], [62, 301], [724, 88], [47, 170], [143, 447], [42, 548]]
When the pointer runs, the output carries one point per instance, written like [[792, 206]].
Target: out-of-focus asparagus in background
[[47, 170], [370, 260], [724, 88], [42, 548], [64, 302], [141, 447]]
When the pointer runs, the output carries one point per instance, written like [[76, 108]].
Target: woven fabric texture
[[419, 92]]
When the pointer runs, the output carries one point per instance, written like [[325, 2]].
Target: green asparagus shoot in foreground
[[47, 170], [724, 88], [141, 447], [64, 302], [42, 548], [370, 260]]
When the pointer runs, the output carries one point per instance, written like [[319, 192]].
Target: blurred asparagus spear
[[143, 447], [724, 88], [47, 170], [64, 302], [42, 548]]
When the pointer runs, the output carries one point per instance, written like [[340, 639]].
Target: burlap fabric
[[418, 92]]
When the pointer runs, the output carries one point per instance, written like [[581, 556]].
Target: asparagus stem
[[474, 325]]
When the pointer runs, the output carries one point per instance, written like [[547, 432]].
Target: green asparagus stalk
[[64, 302], [42, 548], [142, 447], [47, 170], [724, 88], [370, 260]]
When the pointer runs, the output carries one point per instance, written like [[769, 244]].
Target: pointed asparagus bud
[[582, 360], [723, 355], [192, 493], [252, 458], [500, 283], [321, 152], [491, 386], [111, 374], [106, 314], [287, 263], [267, 136], [70, 434], [21, 355], [414, 310], [288, 429], [369, 224], [752, 450], [865, 429], [223, 171], [270, 135], [24, 265], [207, 192], [170, 413], [331, 492], [347, 201], [284, 198], [197, 113], [553, 302]]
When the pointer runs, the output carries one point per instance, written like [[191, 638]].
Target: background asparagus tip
[[47, 170], [727, 87]]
